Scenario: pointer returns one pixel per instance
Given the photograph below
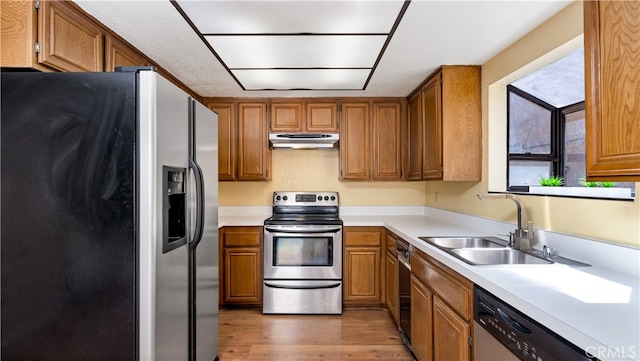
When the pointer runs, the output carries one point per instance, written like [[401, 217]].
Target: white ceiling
[[430, 34]]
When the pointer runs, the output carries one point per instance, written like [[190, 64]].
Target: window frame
[[557, 125]]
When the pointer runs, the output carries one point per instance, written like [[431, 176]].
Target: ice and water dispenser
[[174, 227]]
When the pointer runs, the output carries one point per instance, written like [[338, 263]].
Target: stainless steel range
[[303, 254]]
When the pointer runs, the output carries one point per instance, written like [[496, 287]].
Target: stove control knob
[[333, 198], [326, 198], [284, 198], [319, 198], [277, 198]]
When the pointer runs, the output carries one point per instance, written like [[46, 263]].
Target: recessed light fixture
[[296, 45]]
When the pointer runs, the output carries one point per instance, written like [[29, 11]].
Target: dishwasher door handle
[[513, 323]]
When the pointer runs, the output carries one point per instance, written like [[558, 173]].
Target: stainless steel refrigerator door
[[206, 251], [163, 291]]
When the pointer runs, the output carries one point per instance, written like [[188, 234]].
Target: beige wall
[[318, 170], [613, 221]]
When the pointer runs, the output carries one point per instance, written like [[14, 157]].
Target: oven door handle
[[303, 229], [315, 286]]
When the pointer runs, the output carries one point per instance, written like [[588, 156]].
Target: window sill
[[584, 192]]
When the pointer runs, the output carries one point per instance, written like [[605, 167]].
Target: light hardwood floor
[[357, 334]]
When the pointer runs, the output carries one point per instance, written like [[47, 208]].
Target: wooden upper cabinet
[[432, 130], [372, 139], [612, 78], [321, 116], [69, 41], [227, 154], [387, 133], [414, 154], [451, 121], [118, 53], [355, 141], [287, 116], [254, 155], [309, 115], [19, 34]]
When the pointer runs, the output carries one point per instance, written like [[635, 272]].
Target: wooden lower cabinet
[[391, 268], [450, 333], [421, 321], [241, 266], [441, 311], [362, 266]]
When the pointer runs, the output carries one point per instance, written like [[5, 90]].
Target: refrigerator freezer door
[[68, 216], [164, 294], [205, 250]]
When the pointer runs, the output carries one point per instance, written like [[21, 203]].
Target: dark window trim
[[557, 119]]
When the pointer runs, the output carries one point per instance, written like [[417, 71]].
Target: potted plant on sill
[[553, 185]]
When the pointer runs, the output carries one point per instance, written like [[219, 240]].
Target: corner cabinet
[[243, 143], [441, 311], [362, 266], [612, 78], [445, 126], [371, 139], [241, 266]]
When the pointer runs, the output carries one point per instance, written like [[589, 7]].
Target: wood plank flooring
[[357, 334]]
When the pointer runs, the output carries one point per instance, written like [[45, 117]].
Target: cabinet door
[[118, 53], [362, 275], [422, 322], [612, 39], [461, 129], [254, 155], [242, 275], [286, 116], [387, 141], [226, 139], [392, 285], [19, 33], [450, 333], [355, 144], [432, 129], [415, 137], [69, 41], [322, 116]]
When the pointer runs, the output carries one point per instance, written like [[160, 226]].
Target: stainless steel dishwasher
[[404, 290], [503, 333]]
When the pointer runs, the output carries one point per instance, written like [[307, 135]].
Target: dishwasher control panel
[[521, 335]]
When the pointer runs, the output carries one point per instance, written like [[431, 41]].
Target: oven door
[[303, 252]]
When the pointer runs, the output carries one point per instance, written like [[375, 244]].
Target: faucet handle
[[547, 251]]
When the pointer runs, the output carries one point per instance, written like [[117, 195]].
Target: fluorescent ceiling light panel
[[298, 51], [254, 17], [286, 79]]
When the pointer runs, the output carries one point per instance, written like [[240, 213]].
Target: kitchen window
[[546, 131]]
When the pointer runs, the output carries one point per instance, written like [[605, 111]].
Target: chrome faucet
[[520, 238]]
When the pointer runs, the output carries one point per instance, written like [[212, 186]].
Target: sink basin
[[465, 242], [496, 256]]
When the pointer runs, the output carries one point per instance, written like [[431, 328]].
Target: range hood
[[304, 140]]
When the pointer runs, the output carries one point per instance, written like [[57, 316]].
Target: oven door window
[[302, 251]]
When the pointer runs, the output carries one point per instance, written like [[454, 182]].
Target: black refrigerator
[[109, 218]]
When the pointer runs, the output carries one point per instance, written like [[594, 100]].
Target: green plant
[[551, 181], [607, 184], [586, 183]]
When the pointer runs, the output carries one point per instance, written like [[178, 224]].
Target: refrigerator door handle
[[197, 172]]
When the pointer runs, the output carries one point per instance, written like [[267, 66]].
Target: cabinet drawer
[[242, 236], [455, 290], [362, 236]]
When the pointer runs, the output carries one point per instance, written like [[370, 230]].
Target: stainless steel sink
[[465, 242], [496, 256]]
